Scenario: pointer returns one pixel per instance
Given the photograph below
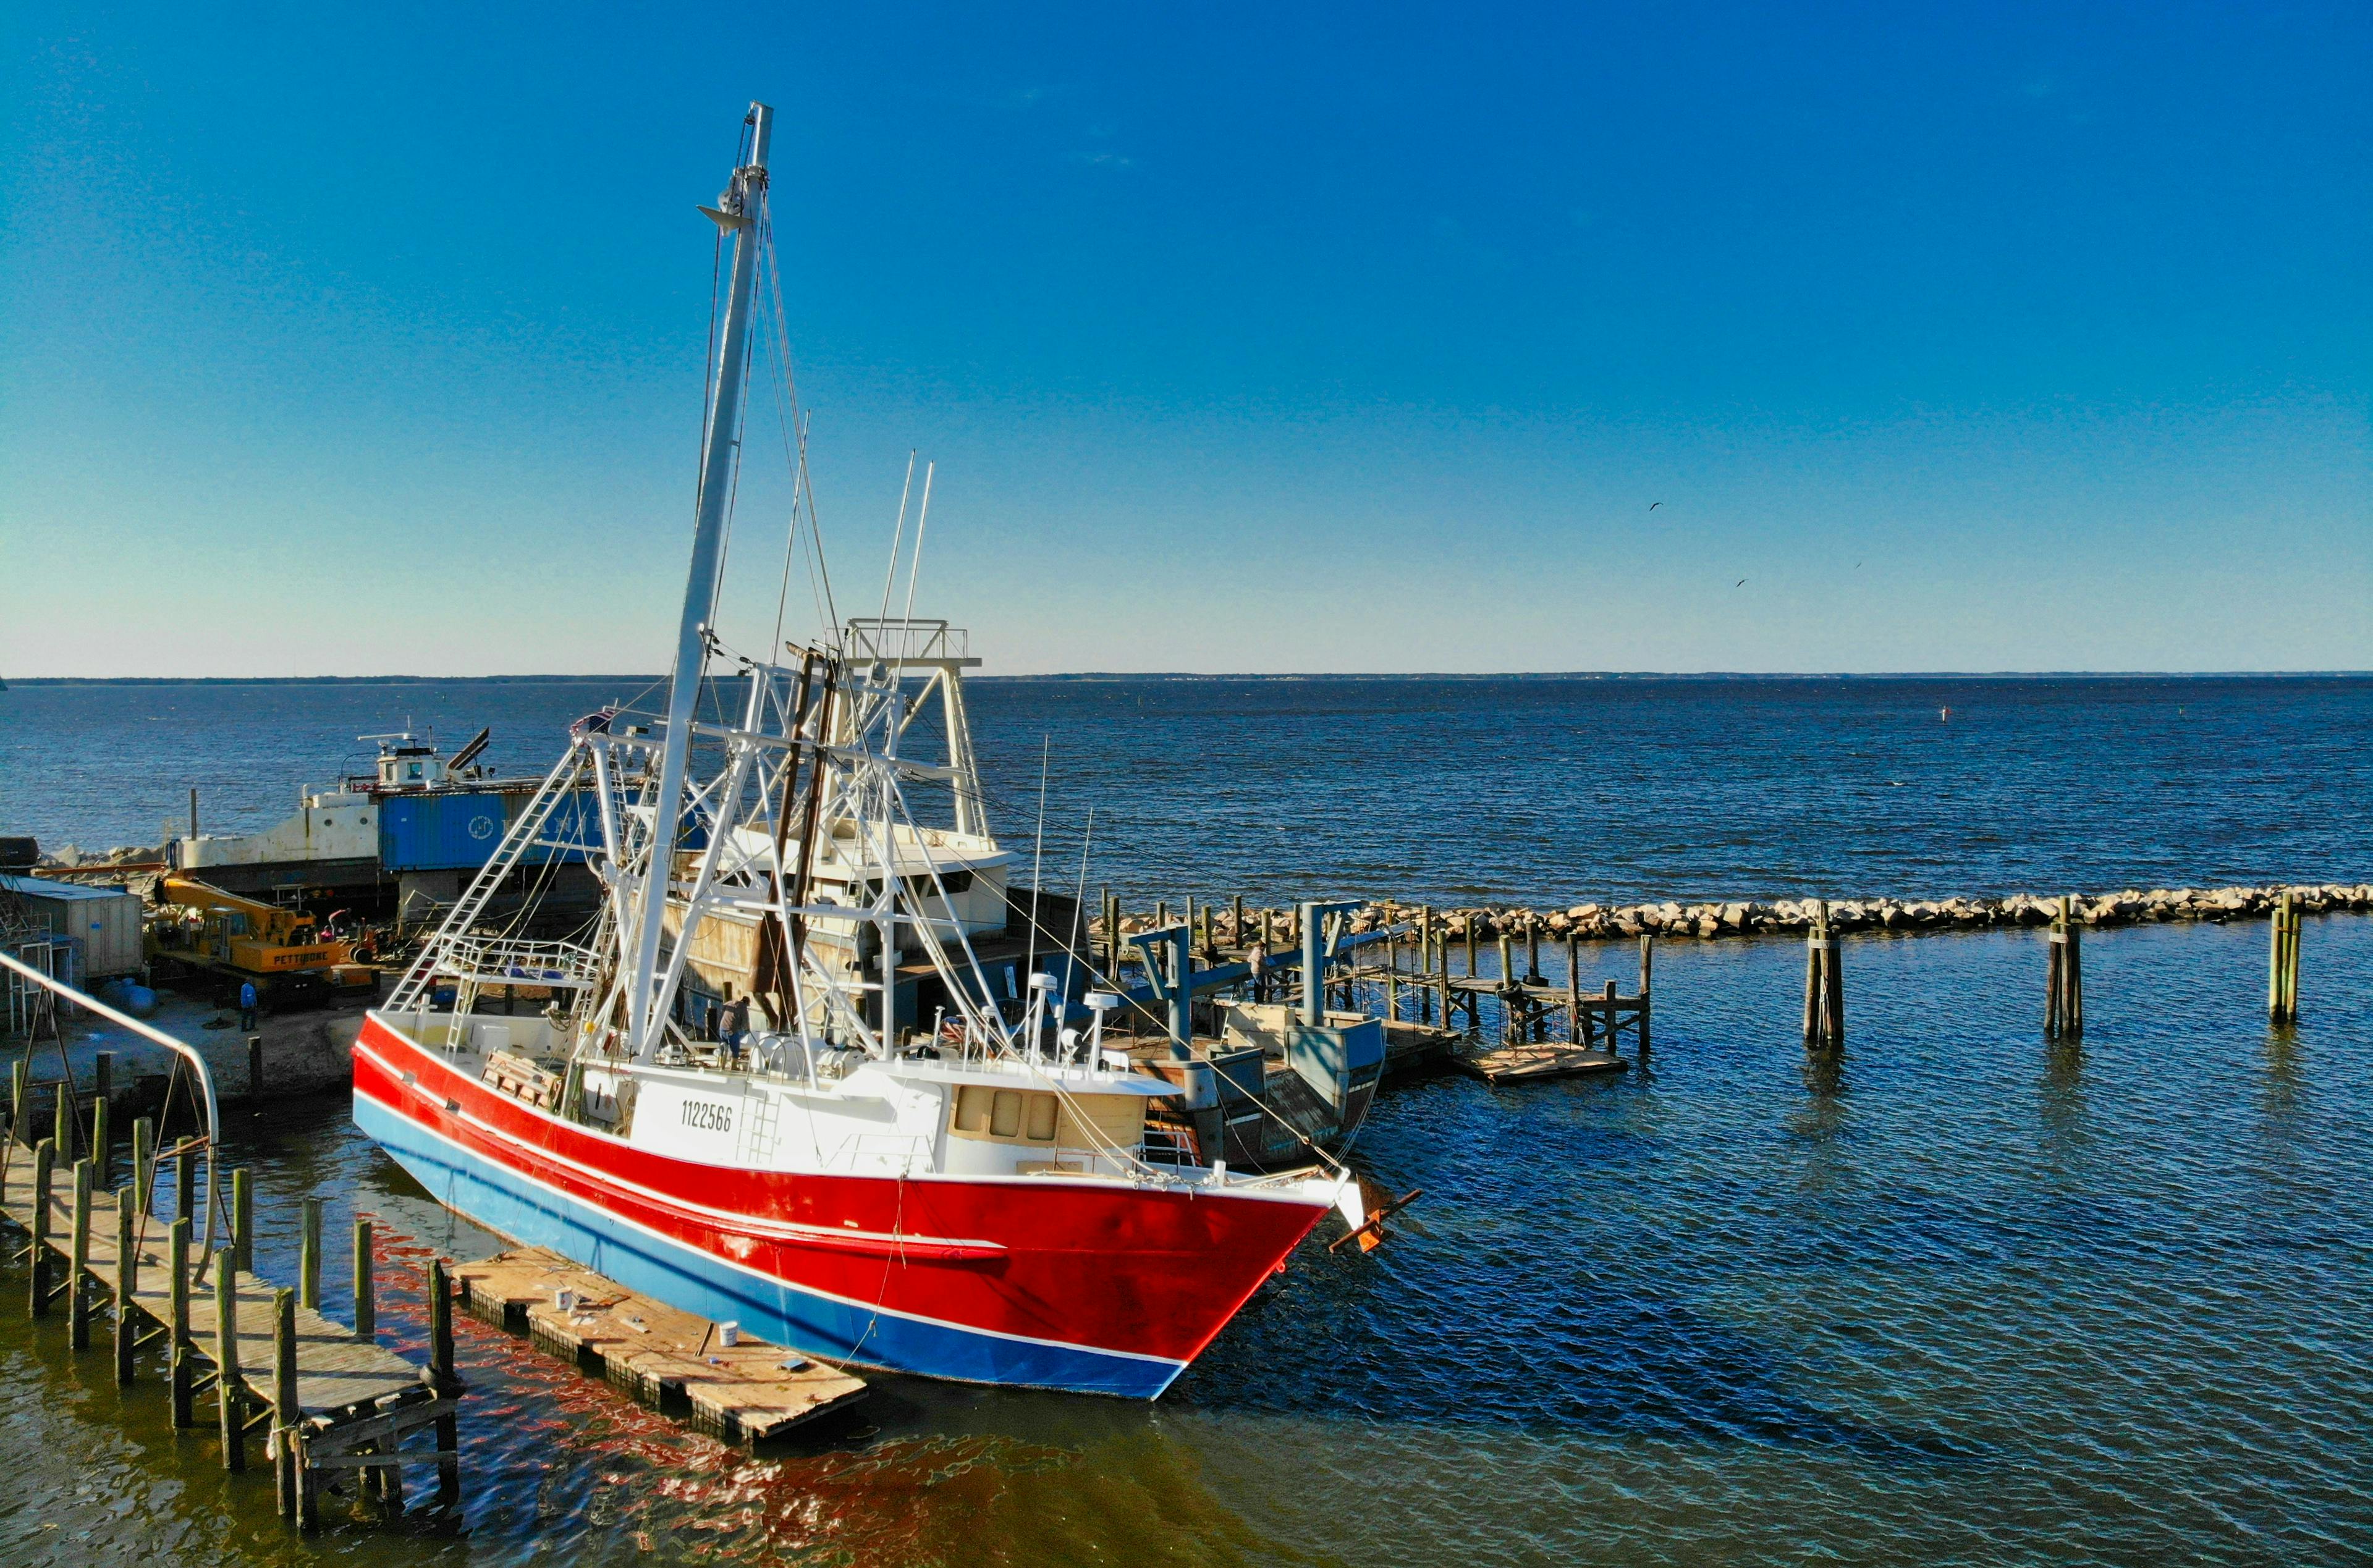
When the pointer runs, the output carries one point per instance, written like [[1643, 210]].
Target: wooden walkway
[[349, 1404], [677, 1362]]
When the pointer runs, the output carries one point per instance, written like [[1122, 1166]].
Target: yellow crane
[[204, 927]]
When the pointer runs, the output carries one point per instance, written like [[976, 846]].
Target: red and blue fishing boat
[[909, 1146]]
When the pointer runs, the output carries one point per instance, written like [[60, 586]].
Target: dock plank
[[336, 1372], [748, 1391], [1548, 1059]]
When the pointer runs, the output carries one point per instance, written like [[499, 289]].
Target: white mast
[[736, 212]]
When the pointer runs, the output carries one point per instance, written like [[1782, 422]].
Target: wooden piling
[[242, 1221], [20, 1094], [255, 1066], [1511, 999], [287, 1416], [182, 1356], [1236, 919], [143, 1163], [63, 1133], [366, 1306], [78, 1261], [46, 1157], [1825, 1000], [309, 1257], [127, 1282], [2282, 968], [103, 1092], [1574, 988], [1647, 1008], [440, 1374], [227, 1373], [185, 1177], [2063, 982]]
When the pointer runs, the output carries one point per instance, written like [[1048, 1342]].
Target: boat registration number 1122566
[[708, 1116]]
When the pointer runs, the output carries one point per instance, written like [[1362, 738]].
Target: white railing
[[186, 1052], [493, 961]]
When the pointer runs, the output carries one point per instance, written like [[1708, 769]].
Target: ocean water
[[1959, 1296], [1540, 791]]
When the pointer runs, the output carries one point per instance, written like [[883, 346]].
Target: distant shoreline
[[1086, 676]]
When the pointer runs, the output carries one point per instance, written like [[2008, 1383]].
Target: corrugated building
[[104, 922]]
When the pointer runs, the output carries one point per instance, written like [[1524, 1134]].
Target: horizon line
[[403, 679]]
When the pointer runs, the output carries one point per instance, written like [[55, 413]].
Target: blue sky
[[1245, 337]]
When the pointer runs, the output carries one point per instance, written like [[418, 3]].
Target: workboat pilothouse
[[911, 1146]]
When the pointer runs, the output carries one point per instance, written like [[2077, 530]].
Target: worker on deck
[[247, 1005], [735, 1023]]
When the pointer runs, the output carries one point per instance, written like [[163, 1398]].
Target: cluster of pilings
[[324, 1398]]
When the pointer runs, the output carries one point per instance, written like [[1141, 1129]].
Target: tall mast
[[736, 212]]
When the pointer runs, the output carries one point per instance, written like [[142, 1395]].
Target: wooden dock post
[[2282, 970], [309, 1259], [2063, 982], [127, 1282], [1470, 919], [242, 1221], [440, 1371], [227, 1373], [182, 1356], [64, 1133], [102, 1145], [1573, 988], [185, 1177], [20, 1090], [45, 1157], [1647, 1008], [143, 1163], [1511, 999], [255, 1066], [366, 1306], [1825, 997], [287, 1415], [1236, 919], [78, 1261]]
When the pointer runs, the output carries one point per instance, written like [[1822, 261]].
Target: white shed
[[104, 921]]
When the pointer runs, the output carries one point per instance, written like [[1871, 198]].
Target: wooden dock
[[1536, 1060], [324, 1398], [746, 1392]]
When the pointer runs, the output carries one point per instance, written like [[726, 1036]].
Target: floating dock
[[744, 1392]]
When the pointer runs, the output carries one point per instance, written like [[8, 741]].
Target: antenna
[[1080, 895], [1037, 856], [922, 521], [897, 537]]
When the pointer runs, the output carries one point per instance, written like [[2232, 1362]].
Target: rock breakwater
[[1751, 917]]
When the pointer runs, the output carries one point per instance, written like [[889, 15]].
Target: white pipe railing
[[183, 1049]]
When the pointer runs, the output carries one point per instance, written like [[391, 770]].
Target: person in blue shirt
[[247, 1005]]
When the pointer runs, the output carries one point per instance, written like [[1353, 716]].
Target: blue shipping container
[[439, 832], [458, 830]]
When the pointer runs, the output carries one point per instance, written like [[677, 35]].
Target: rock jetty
[[1749, 917]]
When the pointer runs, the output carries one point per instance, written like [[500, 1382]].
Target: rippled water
[[1542, 791], [1968, 1298]]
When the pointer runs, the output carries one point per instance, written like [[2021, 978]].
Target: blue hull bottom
[[692, 1281]]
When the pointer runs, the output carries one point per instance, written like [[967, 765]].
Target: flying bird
[[1653, 505], [1740, 584]]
